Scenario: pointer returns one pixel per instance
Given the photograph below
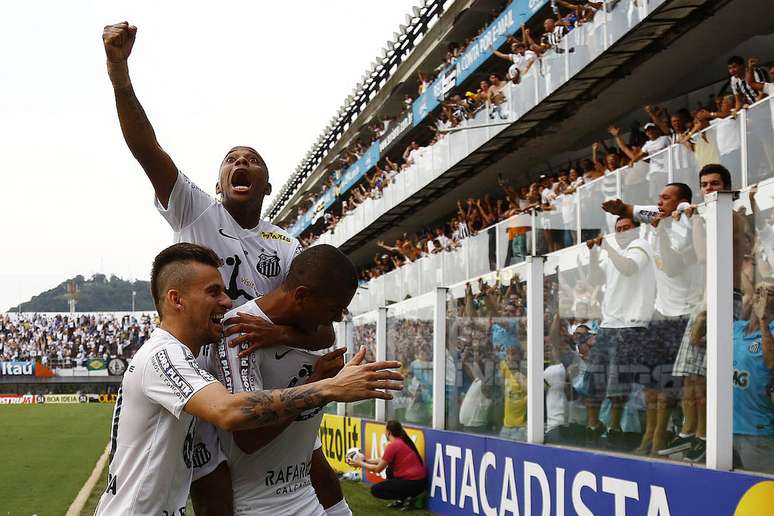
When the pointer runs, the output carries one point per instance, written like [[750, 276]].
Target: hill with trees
[[96, 294]]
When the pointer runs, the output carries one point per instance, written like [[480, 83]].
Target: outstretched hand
[[361, 381]]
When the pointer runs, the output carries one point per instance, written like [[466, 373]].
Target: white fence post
[[535, 386], [743, 146], [439, 359], [381, 354], [720, 285]]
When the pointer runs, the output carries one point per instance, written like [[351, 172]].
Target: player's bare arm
[[135, 126], [356, 381], [260, 333]]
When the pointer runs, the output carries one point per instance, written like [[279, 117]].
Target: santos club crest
[[268, 265]]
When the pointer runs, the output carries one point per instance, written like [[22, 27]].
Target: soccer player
[[164, 391], [270, 467], [256, 254]]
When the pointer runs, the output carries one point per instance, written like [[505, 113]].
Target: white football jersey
[[151, 441], [274, 480], [255, 261]]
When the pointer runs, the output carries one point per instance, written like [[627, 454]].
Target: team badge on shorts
[[268, 265]]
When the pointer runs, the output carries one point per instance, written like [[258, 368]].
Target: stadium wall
[[470, 474]]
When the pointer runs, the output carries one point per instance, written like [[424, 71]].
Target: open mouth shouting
[[241, 181]]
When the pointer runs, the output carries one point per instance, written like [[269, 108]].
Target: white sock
[[340, 509]]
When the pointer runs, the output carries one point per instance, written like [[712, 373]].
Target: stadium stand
[[70, 340], [490, 268]]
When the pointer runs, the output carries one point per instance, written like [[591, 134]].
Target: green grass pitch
[[48, 452]]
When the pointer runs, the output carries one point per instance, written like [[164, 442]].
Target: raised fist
[[118, 40]]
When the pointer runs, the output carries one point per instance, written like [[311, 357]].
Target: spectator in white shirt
[[657, 141], [521, 58]]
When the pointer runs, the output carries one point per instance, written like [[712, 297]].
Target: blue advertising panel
[[470, 474], [352, 175], [509, 21]]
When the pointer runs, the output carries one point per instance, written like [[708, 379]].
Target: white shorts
[[207, 454]]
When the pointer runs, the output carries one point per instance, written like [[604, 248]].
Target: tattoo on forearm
[[271, 407]]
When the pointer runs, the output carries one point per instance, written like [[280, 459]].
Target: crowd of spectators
[[639, 153], [71, 340], [458, 107], [625, 329]]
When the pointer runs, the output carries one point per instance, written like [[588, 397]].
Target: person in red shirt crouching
[[406, 477]]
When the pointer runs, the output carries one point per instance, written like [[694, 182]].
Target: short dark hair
[[321, 268], [684, 191], [737, 60], [623, 217], [714, 168], [167, 266]]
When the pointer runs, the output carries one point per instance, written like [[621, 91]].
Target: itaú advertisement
[[476, 475], [374, 443]]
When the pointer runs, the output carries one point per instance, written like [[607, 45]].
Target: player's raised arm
[[138, 132], [355, 382]]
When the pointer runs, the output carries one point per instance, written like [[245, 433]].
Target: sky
[[210, 75]]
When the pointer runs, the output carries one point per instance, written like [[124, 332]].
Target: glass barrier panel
[[458, 146], [411, 280], [591, 195], [619, 20], [523, 94], [557, 227], [393, 288], [454, 265], [376, 287], [623, 328], [553, 70], [753, 345], [720, 143], [642, 182], [410, 340], [477, 137], [425, 165], [685, 168], [364, 328], [481, 249], [430, 267], [486, 389], [760, 141], [500, 114], [514, 235], [579, 54], [440, 152]]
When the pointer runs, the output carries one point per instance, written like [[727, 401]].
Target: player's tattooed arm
[[356, 381], [250, 441], [138, 132]]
